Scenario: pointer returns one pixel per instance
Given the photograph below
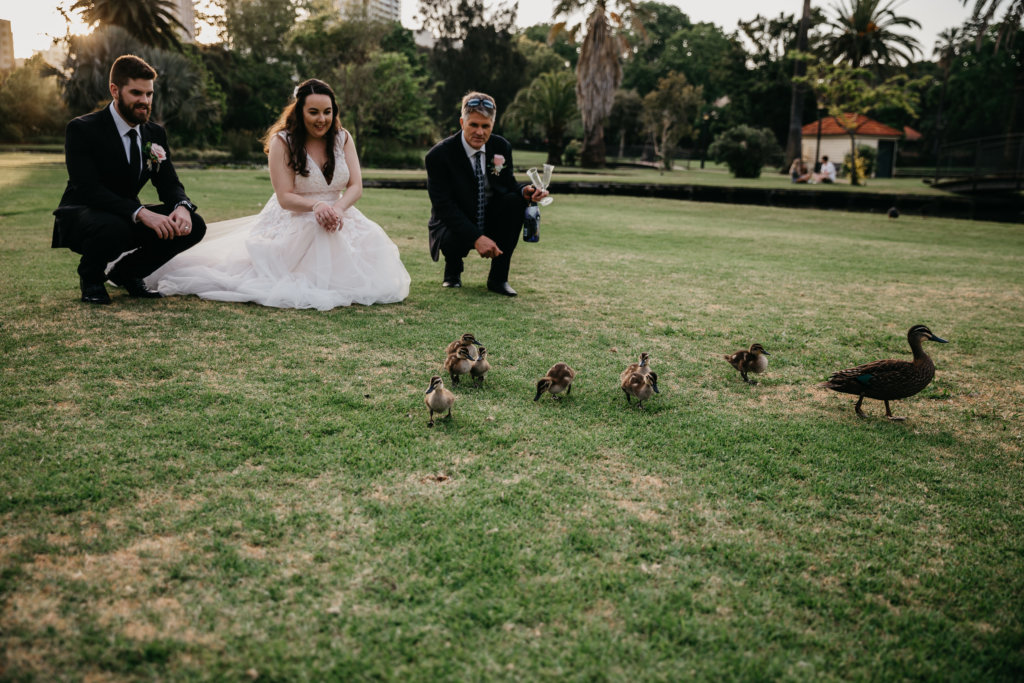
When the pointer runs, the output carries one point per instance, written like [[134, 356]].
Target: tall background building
[[380, 10], [186, 12], [6, 46]]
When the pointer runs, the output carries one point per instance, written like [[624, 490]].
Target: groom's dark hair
[[127, 67]]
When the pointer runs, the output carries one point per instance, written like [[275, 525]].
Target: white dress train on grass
[[285, 259]]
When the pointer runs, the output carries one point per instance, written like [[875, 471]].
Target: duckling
[[459, 363], [643, 367], [558, 379], [888, 380], [466, 341], [480, 367], [749, 361], [640, 386], [438, 399]]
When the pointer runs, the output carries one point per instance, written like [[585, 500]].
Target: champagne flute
[[541, 183]]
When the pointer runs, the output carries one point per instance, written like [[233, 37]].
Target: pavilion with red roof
[[835, 142]]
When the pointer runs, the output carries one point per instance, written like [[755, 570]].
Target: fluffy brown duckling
[[643, 366], [459, 363], [753, 360], [888, 380], [480, 367], [639, 386], [466, 341], [438, 399], [558, 379]]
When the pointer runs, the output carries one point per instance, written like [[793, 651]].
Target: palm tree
[[796, 98], [549, 102], [865, 34], [152, 22], [598, 71], [985, 10]]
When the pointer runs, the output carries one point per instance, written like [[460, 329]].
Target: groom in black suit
[[110, 155], [475, 200]]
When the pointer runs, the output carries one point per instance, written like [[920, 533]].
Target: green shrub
[[746, 150], [572, 152], [243, 144], [868, 159]]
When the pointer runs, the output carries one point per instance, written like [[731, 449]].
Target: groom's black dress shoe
[[135, 286], [452, 282], [94, 293], [502, 288]]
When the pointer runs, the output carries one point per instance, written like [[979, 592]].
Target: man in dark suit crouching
[[475, 200], [110, 155]]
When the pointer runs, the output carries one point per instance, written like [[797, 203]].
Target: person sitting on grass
[[827, 174], [798, 172]]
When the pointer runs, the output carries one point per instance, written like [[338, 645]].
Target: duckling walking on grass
[[466, 341], [480, 367], [639, 386], [459, 363], [643, 366], [753, 360], [558, 379], [438, 399], [888, 380]]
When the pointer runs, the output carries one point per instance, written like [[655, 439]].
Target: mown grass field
[[195, 490]]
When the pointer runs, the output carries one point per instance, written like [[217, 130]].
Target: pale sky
[[35, 22]]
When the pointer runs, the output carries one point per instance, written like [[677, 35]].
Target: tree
[[152, 22], [985, 11], [30, 105], [548, 103], [794, 143], [256, 27], [848, 93], [669, 112], [384, 103], [598, 71], [540, 57], [475, 50], [559, 43], [624, 121], [865, 33]]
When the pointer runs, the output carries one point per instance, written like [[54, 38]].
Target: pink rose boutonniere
[[499, 163], [156, 154]]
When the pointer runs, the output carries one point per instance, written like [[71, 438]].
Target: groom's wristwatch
[[187, 204]]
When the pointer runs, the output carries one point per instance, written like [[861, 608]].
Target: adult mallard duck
[[888, 380], [752, 360], [438, 399], [480, 367], [466, 341], [558, 379], [640, 386]]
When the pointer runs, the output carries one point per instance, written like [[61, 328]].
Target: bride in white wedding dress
[[309, 247]]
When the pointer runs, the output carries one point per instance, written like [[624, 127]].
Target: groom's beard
[[137, 114]]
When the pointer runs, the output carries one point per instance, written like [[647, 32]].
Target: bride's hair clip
[[295, 93]]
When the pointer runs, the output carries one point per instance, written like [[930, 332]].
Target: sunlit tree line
[[601, 78]]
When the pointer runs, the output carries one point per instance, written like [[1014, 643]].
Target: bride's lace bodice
[[315, 183]]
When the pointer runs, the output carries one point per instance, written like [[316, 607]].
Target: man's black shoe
[[136, 287], [452, 282], [94, 293], [502, 288]]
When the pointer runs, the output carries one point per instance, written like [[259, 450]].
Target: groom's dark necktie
[[481, 189], [134, 156]]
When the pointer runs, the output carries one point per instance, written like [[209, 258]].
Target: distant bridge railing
[[987, 164]]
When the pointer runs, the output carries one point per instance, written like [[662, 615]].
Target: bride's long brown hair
[[291, 122]]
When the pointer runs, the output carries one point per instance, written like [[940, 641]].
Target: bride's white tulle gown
[[285, 259]]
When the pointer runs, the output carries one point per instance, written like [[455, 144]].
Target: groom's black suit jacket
[[452, 187], [99, 176]]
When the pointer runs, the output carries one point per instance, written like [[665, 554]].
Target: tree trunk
[[592, 155], [555, 147], [794, 143], [853, 160]]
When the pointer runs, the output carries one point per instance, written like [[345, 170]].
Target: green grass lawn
[[201, 490]]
